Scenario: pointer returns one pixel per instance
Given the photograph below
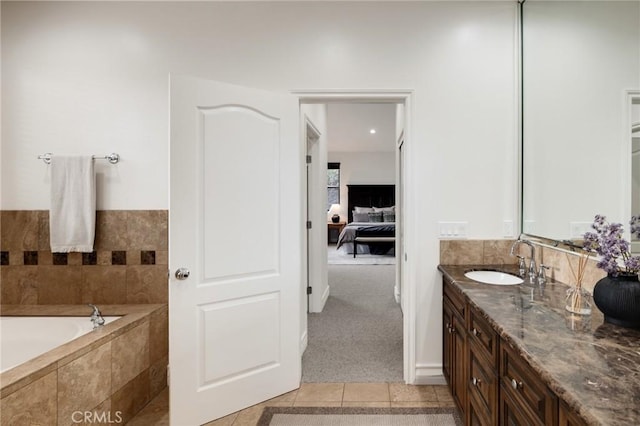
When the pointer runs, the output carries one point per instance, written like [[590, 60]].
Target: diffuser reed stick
[[577, 298]]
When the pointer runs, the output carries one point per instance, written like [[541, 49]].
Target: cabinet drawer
[[525, 388], [481, 333], [482, 382], [456, 298]]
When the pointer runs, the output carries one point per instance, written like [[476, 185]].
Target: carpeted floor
[[340, 257], [358, 336], [327, 416]]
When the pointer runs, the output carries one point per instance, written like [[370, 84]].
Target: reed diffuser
[[578, 299]]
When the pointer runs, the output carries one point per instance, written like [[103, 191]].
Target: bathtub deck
[[122, 366]]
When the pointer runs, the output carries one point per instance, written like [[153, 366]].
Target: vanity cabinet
[[454, 343], [490, 382]]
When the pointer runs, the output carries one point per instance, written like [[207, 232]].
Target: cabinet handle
[[475, 332], [516, 384], [475, 381]]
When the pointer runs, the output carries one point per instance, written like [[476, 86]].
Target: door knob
[[182, 273]]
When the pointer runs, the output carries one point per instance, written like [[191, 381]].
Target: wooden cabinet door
[[511, 413], [482, 383], [523, 383], [447, 340], [453, 353], [459, 362], [567, 417], [454, 343]]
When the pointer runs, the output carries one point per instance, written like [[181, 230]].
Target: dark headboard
[[370, 196]]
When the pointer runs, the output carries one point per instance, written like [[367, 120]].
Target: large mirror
[[581, 115]]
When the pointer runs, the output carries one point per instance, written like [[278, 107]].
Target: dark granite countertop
[[593, 366]]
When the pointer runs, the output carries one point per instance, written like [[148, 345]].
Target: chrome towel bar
[[113, 157]]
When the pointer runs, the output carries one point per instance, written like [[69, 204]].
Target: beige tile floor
[[315, 395]]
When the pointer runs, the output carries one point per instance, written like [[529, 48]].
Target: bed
[[362, 200]]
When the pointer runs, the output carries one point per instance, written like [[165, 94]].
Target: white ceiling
[[348, 127]]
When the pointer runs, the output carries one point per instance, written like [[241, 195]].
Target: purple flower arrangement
[[614, 250]]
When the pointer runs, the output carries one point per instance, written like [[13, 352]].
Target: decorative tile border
[[60, 259], [115, 257], [119, 257], [128, 264]]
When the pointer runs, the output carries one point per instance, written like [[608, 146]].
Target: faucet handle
[[522, 266], [542, 274], [96, 316]]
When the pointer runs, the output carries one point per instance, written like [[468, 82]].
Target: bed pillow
[[388, 216], [360, 217], [385, 209], [375, 216], [363, 209]]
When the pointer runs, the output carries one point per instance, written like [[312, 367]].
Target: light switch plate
[[452, 230]]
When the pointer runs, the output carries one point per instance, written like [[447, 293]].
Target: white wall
[[363, 168], [91, 77]]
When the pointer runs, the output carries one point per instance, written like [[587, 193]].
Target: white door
[[235, 223]]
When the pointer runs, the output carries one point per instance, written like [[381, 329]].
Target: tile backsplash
[[128, 265], [476, 252]]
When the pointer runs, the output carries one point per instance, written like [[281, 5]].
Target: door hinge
[[308, 159], [308, 224], [309, 290]]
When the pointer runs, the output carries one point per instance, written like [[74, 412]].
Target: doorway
[[401, 289]]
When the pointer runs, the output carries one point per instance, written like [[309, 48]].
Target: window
[[333, 184]]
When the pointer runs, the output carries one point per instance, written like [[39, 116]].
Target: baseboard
[[429, 374], [304, 341]]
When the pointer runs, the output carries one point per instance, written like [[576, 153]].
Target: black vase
[[335, 218], [619, 299]]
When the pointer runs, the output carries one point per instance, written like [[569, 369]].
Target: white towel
[[72, 218]]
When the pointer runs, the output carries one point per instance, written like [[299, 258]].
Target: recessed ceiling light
[[372, 131]]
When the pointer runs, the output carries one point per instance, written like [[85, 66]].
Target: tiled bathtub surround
[[496, 252], [113, 371], [129, 264]]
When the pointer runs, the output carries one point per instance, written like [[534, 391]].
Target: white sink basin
[[494, 277]]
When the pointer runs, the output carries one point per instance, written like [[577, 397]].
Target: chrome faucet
[[96, 316], [532, 271]]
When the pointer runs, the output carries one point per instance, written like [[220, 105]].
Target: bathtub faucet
[[96, 317]]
